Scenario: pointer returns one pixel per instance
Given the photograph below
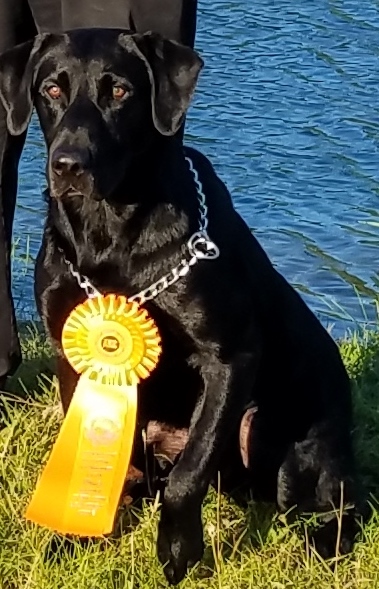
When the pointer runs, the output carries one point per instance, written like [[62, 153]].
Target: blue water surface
[[287, 110]]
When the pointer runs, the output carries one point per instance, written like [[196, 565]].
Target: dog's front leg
[[180, 534]]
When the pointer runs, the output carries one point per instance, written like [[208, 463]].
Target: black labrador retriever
[[131, 211]]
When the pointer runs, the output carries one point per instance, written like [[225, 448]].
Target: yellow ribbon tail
[[79, 490]]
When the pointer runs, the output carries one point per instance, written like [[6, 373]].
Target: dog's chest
[[170, 393]]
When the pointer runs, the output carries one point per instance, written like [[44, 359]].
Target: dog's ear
[[173, 71], [17, 75]]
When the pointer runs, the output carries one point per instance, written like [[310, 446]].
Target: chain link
[[199, 247], [203, 209], [83, 281]]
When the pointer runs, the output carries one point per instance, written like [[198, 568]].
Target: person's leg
[[47, 15], [16, 26], [174, 19], [95, 13]]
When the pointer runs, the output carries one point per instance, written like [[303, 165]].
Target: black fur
[[235, 334]]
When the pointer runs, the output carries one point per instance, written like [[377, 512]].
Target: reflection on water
[[287, 109]]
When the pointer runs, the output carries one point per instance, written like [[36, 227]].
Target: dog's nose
[[69, 161]]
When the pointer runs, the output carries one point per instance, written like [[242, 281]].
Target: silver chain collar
[[199, 247]]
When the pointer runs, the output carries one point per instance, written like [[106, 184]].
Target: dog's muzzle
[[70, 172]]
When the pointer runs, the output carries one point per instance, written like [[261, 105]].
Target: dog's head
[[102, 96]]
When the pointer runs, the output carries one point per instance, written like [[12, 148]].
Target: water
[[287, 109]]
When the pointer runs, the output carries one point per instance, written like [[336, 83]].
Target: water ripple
[[287, 110]]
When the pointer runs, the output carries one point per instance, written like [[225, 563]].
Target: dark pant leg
[[174, 19], [47, 15], [78, 14], [16, 26]]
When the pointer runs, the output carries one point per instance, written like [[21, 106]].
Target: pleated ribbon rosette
[[112, 343]]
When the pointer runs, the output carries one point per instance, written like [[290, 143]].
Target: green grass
[[243, 549]]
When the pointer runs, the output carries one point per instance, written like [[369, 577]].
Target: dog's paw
[[326, 537], [180, 546]]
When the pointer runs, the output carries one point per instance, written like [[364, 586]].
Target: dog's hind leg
[[317, 475], [263, 448]]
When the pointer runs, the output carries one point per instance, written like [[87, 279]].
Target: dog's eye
[[118, 92], [54, 91]]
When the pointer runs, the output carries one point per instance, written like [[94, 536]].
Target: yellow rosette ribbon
[[113, 344]]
